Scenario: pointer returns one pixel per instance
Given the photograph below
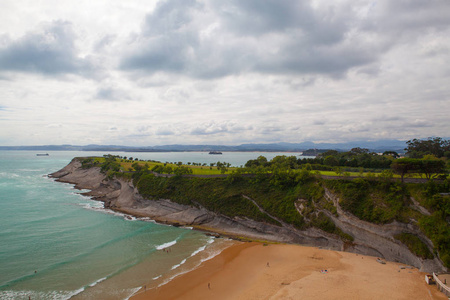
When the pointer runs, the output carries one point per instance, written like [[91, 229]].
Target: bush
[[415, 245], [373, 201]]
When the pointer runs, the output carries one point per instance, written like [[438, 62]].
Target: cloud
[[165, 131], [111, 94], [105, 42], [408, 18], [213, 128], [49, 50], [419, 123], [54, 125], [213, 39], [224, 71], [165, 41]]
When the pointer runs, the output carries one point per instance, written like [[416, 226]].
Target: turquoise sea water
[[58, 244]]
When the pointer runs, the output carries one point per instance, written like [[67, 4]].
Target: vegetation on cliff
[[291, 191]]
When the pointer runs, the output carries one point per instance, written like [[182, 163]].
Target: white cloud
[[209, 71]]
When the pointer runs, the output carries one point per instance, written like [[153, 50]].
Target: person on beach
[[209, 286]]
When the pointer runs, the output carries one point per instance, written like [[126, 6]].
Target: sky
[[145, 73]]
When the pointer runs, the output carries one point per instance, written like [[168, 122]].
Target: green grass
[[126, 165], [378, 200]]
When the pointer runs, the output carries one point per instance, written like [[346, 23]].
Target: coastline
[[369, 239], [122, 196], [280, 271]]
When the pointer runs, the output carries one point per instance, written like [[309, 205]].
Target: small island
[[215, 152]]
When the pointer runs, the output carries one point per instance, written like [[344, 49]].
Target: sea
[[56, 243]]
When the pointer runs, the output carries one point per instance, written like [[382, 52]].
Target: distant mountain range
[[376, 146]]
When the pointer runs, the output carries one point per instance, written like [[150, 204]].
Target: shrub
[[415, 245]]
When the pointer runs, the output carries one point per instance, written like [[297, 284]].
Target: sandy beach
[[276, 271]]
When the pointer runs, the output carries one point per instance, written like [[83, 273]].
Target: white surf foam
[[166, 245], [98, 281], [50, 295], [132, 293], [211, 255], [178, 265]]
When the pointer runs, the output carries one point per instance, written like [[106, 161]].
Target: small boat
[[215, 152], [42, 154]]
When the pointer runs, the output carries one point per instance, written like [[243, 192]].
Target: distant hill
[[377, 146]]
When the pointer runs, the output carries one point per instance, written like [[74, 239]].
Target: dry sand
[[254, 271]]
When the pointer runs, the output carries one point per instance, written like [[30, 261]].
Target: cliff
[[369, 239]]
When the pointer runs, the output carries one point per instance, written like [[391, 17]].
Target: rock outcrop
[[369, 239]]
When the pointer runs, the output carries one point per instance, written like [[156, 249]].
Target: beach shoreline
[[253, 270], [122, 196]]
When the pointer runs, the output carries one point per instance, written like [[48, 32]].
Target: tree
[[260, 161], [359, 150], [435, 146], [431, 167], [137, 167], [404, 166], [182, 170], [222, 167], [330, 161], [328, 153], [391, 153]]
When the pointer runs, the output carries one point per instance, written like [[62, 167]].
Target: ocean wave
[[166, 245], [8, 175], [94, 205], [202, 248], [210, 255], [178, 265], [147, 219], [132, 293], [99, 206], [50, 295], [98, 281], [31, 170]]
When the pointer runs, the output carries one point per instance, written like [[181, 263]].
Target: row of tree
[[427, 157]]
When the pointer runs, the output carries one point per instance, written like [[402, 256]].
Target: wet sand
[[254, 271]]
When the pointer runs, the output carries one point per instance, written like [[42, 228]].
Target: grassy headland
[[282, 190], [291, 191]]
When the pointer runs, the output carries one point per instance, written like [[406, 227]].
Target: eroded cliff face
[[378, 240], [369, 239]]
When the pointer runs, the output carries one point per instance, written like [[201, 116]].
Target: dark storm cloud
[[258, 18], [165, 41], [48, 51], [247, 36]]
